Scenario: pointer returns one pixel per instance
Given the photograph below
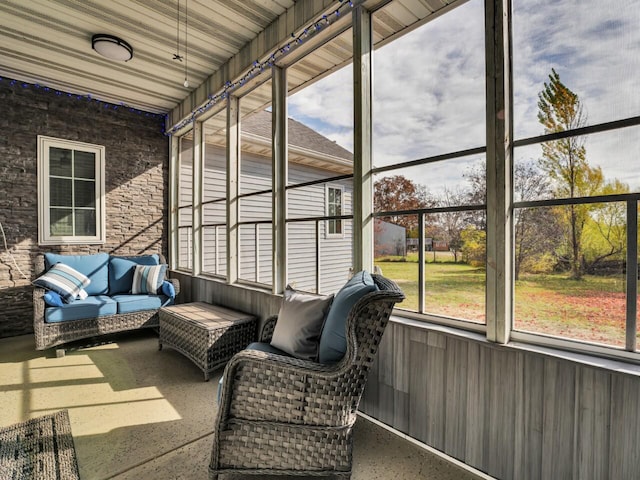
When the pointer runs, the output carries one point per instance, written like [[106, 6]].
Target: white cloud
[[590, 44], [327, 107], [429, 94], [429, 85]]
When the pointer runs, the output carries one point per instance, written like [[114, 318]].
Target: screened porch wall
[[509, 411]]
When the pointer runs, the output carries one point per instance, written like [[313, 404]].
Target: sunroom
[[483, 155]]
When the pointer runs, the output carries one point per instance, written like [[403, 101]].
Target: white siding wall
[[214, 249], [335, 252], [185, 189], [255, 176]]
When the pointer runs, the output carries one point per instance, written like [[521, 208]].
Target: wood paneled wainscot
[[514, 412]]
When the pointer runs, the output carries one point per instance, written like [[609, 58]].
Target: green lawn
[[591, 309], [454, 290]]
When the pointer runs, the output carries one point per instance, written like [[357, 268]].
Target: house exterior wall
[[136, 179], [335, 251], [185, 200], [389, 239], [255, 175]]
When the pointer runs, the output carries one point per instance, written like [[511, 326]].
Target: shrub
[[474, 246], [541, 263]]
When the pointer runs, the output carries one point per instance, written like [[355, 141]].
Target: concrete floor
[[137, 413]]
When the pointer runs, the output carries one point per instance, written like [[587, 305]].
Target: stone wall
[[136, 181]]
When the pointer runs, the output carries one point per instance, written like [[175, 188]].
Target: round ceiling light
[[111, 47]]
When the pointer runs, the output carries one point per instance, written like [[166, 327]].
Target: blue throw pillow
[[63, 280], [52, 299], [333, 341], [121, 271], [148, 278], [168, 289]]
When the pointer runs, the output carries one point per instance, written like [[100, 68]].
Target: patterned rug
[[40, 448]]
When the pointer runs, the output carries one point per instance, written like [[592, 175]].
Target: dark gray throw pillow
[[299, 324]]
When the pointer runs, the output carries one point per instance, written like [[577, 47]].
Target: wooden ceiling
[[48, 42]]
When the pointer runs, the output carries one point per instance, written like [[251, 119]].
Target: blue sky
[[429, 86]]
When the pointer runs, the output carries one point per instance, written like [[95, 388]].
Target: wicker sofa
[[279, 415], [109, 307]]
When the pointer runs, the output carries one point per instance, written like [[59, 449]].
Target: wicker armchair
[[284, 416], [49, 335]]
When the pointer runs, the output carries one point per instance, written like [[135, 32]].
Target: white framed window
[[71, 192], [185, 202], [334, 196], [433, 190]]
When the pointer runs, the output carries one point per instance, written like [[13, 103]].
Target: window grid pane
[[72, 186], [60, 162], [85, 222], [61, 192], [214, 194], [572, 256], [557, 294], [255, 254], [185, 202], [61, 222], [84, 165]]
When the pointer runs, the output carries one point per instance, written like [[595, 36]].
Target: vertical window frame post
[[499, 293]]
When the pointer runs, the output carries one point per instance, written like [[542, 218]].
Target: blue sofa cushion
[[138, 303], [95, 267], [93, 306], [121, 271], [64, 280], [333, 341], [148, 278]]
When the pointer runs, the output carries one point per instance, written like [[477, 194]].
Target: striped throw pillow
[[64, 280], [148, 278]]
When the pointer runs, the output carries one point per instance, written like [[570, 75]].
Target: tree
[[474, 246], [535, 229], [476, 175], [606, 232], [452, 222], [397, 193], [565, 161]]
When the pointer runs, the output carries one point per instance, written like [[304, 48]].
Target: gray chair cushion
[[266, 347], [300, 321]]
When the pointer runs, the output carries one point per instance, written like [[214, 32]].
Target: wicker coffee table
[[209, 335]]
